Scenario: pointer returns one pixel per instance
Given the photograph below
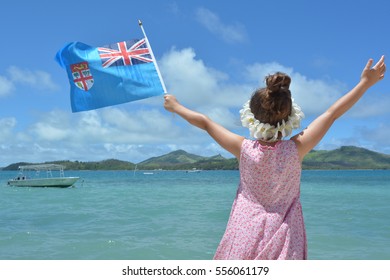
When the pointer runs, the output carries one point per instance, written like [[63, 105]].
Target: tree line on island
[[346, 157]]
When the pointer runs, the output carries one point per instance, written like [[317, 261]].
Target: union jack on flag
[[125, 53]]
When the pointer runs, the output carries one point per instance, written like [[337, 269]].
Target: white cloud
[[38, 79], [231, 33], [377, 135], [105, 127], [371, 105], [320, 62], [224, 117], [6, 86], [15, 77], [173, 8], [202, 88], [6, 129], [49, 132], [189, 78], [54, 126]]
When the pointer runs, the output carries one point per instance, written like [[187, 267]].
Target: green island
[[346, 157]]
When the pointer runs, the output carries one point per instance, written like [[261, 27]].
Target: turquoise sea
[[173, 215]]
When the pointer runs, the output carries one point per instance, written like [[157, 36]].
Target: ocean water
[[173, 215]]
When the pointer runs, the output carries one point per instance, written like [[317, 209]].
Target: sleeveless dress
[[266, 220]]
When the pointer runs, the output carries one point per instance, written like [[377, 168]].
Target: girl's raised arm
[[228, 140], [313, 134]]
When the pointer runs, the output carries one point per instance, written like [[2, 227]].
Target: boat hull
[[60, 182]]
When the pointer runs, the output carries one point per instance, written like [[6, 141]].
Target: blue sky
[[212, 55]]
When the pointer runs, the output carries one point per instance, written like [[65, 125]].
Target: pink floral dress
[[266, 220]]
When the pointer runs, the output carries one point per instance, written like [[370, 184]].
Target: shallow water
[[178, 215]]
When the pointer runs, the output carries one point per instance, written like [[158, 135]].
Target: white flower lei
[[267, 132]]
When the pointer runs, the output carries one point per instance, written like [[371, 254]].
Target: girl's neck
[[269, 144]]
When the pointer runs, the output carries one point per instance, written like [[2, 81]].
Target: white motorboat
[[39, 180], [193, 170]]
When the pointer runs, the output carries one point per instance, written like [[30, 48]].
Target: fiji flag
[[109, 75]]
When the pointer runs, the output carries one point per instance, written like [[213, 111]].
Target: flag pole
[[153, 58]]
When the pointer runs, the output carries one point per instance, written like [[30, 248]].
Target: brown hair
[[273, 103]]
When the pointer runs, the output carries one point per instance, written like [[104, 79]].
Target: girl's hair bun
[[277, 83], [273, 104]]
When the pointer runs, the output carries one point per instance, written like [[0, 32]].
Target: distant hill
[[181, 160], [171, 159], [14, 166], [109, 164], [346, 157]]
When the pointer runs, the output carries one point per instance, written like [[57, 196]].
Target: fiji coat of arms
[[82, 76]]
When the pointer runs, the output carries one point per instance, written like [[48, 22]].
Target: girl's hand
[[370, 76], [170, 103]]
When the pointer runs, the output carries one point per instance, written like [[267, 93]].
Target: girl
[[266, 220]]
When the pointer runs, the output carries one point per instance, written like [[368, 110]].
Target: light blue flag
[[109, 75]]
